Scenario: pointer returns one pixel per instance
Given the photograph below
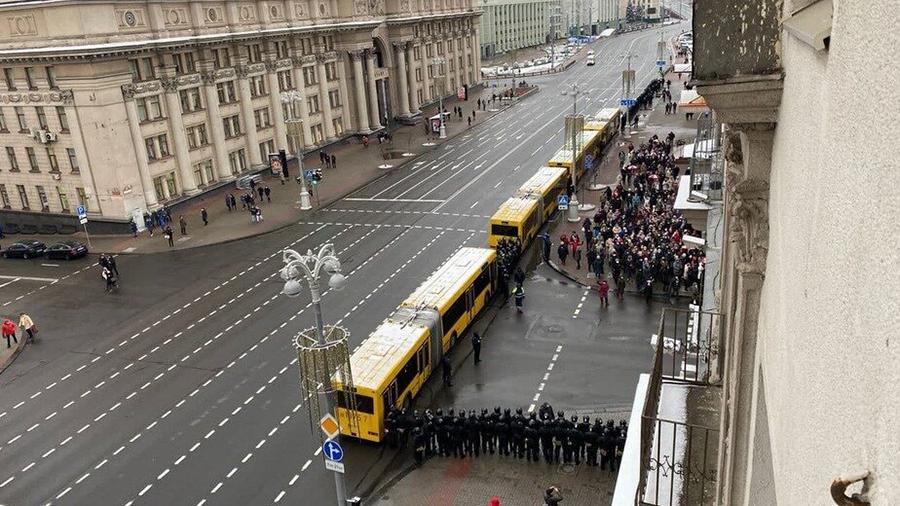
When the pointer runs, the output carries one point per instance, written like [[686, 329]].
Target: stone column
[[250, 135], [277, 111], [324, 102], [216, 130], [139, 150], [178, 137], [467, 53], [425, 65], [362, 111], [402, 76], [477, 59], [413, 84], [306, 133], [373, 93], [345, 95]]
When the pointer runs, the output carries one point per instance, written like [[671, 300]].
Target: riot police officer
[[546, 411], [428, 433], [473, 443], [591, 440], [577, 441], [485, 429], [584, 427], [517, 433], [531, 441], [559, 435], [501, 428], [390, 428], [459, 434], [418, 445], [545, 433]]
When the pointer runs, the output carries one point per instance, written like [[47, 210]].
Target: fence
[[707, 162], [677, 461]]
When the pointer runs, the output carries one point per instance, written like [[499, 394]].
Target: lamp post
[[294, 123], [573, 204], [298, 268], [442, 133]]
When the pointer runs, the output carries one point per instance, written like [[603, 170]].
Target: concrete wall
[[721, 24], [830, 314]]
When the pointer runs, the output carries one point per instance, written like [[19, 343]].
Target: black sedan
[[25, 249], [67, 250]]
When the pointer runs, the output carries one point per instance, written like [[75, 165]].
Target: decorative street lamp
[[443, 130], [573, 204], [294, 122]]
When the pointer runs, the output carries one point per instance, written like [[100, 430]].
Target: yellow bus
[[611, 117], [587, 144], [545, 186], [393, 363], [518, 218]]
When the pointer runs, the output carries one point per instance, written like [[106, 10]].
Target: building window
[[4, 196], [262, 118], [196, 136], [221, 58], [238, 161], [309, 76], [23, 195], [82, 198], [29, 78], [32, 159], [157, 147], [190, 100], [51, 77], [63, 199], [142, 69], [285, 81], [10, 78], [338, 125], [226, 92], [265, 148], [73, 161], [417, 53], [418, 75], [312, 103], [20, 116], [281, 49], [184, 63], [13, 161], [257, 86], [232, 125], [3, 128], [149, 108], [42, 117], [63, 119], [421, 96], [54, 163], [317, 133], [334, 98], [42, 196], [254, 53], [331, 71], [203, 173]]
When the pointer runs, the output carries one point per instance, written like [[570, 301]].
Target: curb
[[12, 358]]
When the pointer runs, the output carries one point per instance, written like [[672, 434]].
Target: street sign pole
[[82, 218]]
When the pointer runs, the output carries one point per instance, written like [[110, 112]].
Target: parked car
[[25, 249], [67, 250], [243, 183]]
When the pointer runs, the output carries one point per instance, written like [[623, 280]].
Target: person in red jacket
[[603, 289], [574, 243], [495, 501], [9, 332]]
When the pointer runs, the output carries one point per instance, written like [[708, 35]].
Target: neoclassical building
[[121, 106]]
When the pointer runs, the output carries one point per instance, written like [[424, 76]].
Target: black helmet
[[506, 411], [403, 412], [586, 419], [559, 414], [518, 411], [484, 411], [471, 413], [450, 412], [497, 409], [574, 418], [532, 415], [440, 412], [416, 413]]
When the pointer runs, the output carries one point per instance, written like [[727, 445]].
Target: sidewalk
[[655, 122], [356, 167], [7, 355]]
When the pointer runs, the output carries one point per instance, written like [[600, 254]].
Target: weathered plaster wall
[[720, 24], [829, 338]]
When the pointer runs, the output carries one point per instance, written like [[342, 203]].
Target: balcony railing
[[707, 162], [679, 435]]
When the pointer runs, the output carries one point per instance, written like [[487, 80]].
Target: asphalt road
[[181, 388]]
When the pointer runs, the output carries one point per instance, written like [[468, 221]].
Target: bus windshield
[[507, 230]]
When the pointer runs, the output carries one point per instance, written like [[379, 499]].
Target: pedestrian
[[109, 277], [252, 185], [365, 141], [447, 371], [134, 229], [603, 290], [204, 216], [470, 121], [9, 332], [552, 497], [674, 107], [268, 192], [333, 162], [262, 193], [495, 501], [111, 263], [519, 295], [563, 251], [476, 346], [228, 198], [576, 255], [183, 223], [169, 238], [148, 222], [233, 201], [28, 325]]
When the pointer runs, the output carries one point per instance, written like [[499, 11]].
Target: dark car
[[25, 249], [67, 250]]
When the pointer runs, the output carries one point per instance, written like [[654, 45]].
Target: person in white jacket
[[28, 325]]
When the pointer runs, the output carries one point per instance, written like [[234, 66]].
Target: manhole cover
[[566, 469]]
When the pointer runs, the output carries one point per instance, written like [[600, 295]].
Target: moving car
[[25, 249], [67, 250], [590, 57]]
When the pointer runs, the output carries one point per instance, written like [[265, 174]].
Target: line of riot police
[[533, 436]]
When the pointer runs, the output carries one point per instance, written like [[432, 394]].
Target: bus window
[[454, 312], [483, 280], [364, 403], [507, 230]]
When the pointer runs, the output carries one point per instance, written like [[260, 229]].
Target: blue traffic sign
[[82, 212], [333, 451], [588, 161], [308, 174], [562, 202], [627, 102], [661, 63]]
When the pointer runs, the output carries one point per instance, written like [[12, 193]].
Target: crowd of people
[[636, 236], [533, 436]]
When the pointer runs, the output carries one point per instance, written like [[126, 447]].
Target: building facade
[[590, 17], [124, 106], [507, 25]]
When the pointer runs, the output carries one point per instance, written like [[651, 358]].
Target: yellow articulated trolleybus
[[517, 218], [545, 186], [393, 363], [606, 121], [588, 143]]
